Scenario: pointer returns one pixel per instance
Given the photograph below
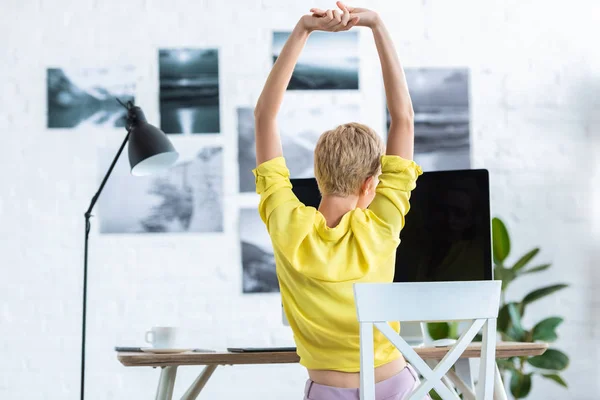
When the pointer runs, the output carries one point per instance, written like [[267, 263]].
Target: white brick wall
[[535, 94]]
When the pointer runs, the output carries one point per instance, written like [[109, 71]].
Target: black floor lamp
[[150, 151]]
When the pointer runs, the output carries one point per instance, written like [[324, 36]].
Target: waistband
[[387, 388]]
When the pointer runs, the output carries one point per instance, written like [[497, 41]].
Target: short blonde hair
[[345, 157]]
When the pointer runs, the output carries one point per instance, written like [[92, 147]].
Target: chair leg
[[367, 371], [485, 386], [166, 383], [499, 392]]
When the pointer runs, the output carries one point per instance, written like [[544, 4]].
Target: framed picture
[[189, 91], [187, 198], [440, 98], [329, 61], [84, 98], [258, 262]]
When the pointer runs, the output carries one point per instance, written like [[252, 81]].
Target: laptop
[[447, 232]]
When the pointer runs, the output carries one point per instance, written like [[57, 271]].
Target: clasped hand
[[339, 20]]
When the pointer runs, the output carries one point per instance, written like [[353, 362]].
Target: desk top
[[503, 350]]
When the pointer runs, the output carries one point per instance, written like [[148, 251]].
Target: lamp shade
[[150, 151]]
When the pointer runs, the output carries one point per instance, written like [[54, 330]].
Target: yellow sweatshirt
[[317, 265]]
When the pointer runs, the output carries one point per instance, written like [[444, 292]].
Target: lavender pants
[[398, 387]]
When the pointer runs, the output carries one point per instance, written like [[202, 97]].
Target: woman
[[353, 236]]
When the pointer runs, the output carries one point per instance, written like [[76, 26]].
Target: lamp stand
[[88, 215]]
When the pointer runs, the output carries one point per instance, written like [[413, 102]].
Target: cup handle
[[149, 337]]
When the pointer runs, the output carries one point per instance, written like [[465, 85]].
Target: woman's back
[[317, 265]]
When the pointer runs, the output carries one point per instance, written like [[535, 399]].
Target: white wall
[[535, 81]]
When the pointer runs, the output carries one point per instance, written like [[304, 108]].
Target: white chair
[[378, 303]]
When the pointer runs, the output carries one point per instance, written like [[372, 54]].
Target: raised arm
[[401, 135], [268, 142]]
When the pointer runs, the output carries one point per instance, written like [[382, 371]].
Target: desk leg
[[467, 392], [463, 370], [199, 383], [166, 383], [499, 392]]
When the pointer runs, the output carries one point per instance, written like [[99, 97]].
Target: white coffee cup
[[161, 337]]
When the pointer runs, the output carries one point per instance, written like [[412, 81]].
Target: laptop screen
[[447, 232]]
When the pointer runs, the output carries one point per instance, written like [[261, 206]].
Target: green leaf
[[499, 272], [434, 396], [505, 337], [556, 378], [505, 275], [546, 330], [500, 240], [438, 330], [520, 384], [545, 291], [453, 330], [525, 259], [552, 359], [503, 322], [536, 269], [516, 330], [507, 364]]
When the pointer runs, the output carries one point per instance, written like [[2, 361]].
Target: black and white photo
[[440, 98], [80, 98], [186, 198], [329, 61], [258, 262], [300, 126], [189, 91]]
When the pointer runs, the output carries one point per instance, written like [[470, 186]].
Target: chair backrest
[[477, 301], [426, 301]]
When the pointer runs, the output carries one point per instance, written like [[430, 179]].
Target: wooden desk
[[170, 362]]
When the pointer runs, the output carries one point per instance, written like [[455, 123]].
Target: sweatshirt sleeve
[[275, 189], [398, 178]]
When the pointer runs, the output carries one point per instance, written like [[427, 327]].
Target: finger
[[345, 17], [337, 18], [343, 6], [329, 15], [353, 22], [318, 12]]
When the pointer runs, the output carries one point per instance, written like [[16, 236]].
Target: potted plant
[[520, 370]]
